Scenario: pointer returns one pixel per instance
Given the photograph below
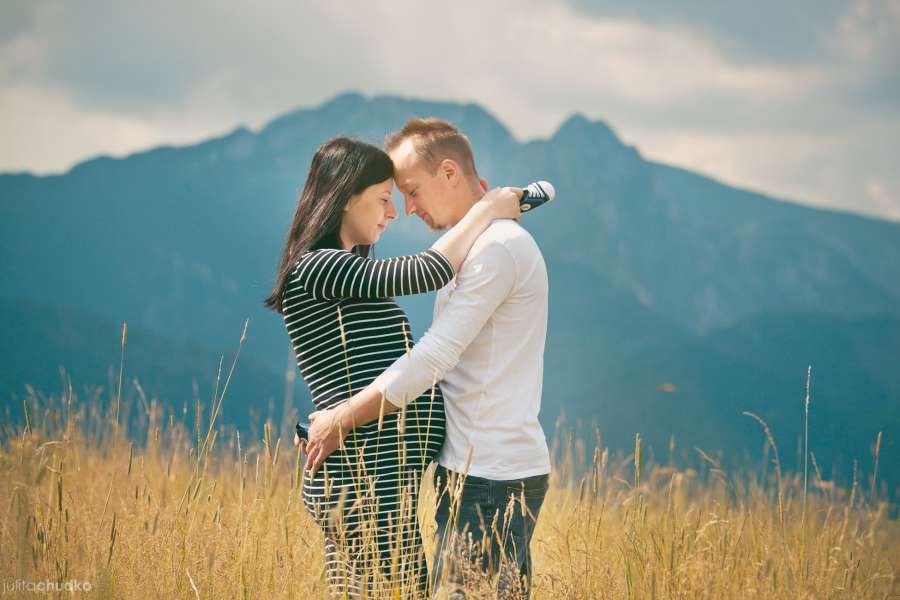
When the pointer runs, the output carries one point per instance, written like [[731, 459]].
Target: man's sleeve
[[484, 281]]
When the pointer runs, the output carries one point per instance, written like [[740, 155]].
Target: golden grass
[[188, 517], [203, 514]]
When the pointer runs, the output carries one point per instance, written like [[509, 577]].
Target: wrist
[[484, 210], [345, 417]]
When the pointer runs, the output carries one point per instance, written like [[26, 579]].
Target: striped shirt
[[346, 329]]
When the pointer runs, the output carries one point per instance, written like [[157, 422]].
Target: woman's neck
[[345, 241]]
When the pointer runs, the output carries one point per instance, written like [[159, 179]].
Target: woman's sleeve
[[329, 274]]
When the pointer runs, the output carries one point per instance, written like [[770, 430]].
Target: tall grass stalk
[[167, 519]]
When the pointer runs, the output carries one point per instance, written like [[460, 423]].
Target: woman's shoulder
[[324, 252], [318, 256], [320, 265]]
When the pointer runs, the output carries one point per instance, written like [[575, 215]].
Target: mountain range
[[677, 302]]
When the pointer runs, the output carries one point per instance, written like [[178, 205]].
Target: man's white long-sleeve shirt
[[486, 348]]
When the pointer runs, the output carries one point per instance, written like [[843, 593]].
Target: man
[[485, 347]]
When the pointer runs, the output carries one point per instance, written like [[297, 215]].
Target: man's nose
[[409, 207]]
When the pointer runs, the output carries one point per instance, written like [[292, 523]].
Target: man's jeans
[[494, 527]]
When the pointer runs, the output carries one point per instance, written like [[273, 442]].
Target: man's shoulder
[[508, 234]]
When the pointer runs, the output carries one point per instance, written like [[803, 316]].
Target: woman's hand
[[325, 436], [503, 202]]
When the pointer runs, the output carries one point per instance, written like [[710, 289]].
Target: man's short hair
[[433, 141]]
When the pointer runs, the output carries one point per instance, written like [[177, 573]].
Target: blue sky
[[800, 99]]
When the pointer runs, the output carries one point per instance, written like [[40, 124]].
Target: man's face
[[425, 194]]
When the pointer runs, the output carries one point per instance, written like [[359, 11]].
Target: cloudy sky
[[800, 99]]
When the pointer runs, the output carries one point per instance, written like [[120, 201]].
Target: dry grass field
[[165, 510]]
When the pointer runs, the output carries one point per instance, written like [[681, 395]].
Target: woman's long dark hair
[[340, 168]]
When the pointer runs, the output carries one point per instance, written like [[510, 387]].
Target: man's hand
[[325, 436]]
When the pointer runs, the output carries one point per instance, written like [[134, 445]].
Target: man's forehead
[[405, 162], [404, 156]]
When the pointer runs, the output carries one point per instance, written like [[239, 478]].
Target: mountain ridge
[[644, 258]]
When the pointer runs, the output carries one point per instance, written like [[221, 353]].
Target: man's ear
[[484, 184], [450, 170]]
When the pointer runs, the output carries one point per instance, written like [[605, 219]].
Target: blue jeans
[[487, 509]]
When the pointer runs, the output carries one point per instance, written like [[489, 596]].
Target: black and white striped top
[[346, 329]]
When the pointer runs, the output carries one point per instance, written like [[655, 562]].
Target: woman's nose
[[391, 210]]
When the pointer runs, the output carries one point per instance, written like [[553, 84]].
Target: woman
[[345, 329]]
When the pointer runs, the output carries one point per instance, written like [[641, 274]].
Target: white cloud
[[49, 133], [868, 29], [884, 197], [780, 163], [93, 77]]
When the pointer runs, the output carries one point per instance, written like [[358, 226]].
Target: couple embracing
[[467, 394]]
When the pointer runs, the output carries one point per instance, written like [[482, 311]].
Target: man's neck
[[466, 199]]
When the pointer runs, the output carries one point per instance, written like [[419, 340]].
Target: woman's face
[[367, 213]]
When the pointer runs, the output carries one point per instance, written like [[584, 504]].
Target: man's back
[[493, 393]]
